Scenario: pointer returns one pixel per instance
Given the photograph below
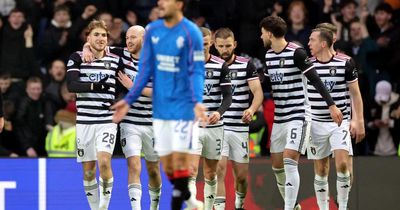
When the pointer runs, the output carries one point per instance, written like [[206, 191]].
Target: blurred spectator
[[384, 139], [132, 19], [153, 15], [11, 95], [363, 50], [298, 30], [6, 6], [16, 47], [115, 26], [62, 37], [387, 37], [60, 141], [30, 125], [54, 100], [348, 13]]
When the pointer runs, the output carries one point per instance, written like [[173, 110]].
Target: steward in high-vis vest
[[60, 141]]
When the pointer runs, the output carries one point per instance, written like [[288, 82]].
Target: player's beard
[[227, 57]]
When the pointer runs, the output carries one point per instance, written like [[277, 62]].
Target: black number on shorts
[[293, 134], [153, 142], [109, 137], [345, 134], [218, 146], [244, 146]]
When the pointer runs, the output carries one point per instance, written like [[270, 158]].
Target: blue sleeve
[[145, 71], [196, 65]]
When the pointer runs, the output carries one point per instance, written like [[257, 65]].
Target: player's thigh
[[106, 135], [298, 135], [85, 143], [212, 146], [341, 138], [239, 146], [278, 137], [319, 146], [200, 143], [148, 144], [225, 144], [131, 139]]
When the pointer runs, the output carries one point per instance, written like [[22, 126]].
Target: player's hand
[[102, 85], [214, 118], [121, 109], [336, 114], [125, 80], [357, 130], [31, 152], [247, 115], [87, 54], [200, 114]]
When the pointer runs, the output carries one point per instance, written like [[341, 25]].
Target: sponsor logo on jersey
[[329, 85], [207, 88], [276, 77], [95, 77]]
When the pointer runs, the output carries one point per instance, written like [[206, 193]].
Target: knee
[[341, 166], [153, 172], [90, 174], [322, 170], [210, 175], [241, 178], [194, 170], [221, 171]]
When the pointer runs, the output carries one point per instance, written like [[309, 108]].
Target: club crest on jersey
[[276, 77], [123, 142], [208, 88], [81, 152], [107, 65], [233, 74], [332, 71], [329, 85], [282, 62], [209, 73], [179, 42]]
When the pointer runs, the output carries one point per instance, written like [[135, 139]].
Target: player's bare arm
[[255, 88], [200, 114], [357, 128], [128, 84]]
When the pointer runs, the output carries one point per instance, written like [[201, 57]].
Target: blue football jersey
[[174, 58]]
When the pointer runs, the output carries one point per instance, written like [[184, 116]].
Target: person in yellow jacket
[[60, 141]]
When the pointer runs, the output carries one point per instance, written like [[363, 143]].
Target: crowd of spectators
[[37, 37]]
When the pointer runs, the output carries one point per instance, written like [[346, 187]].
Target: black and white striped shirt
[[94, 108], [240, 71], [141, 111], [215, 77], [289, 85], [335, 74]]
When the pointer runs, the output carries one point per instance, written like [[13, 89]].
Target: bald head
[[136, 29], [134, 39]]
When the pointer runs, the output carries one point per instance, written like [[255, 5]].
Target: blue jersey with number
[[174, 58]]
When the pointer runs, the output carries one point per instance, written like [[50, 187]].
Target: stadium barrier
[[56, 184]]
